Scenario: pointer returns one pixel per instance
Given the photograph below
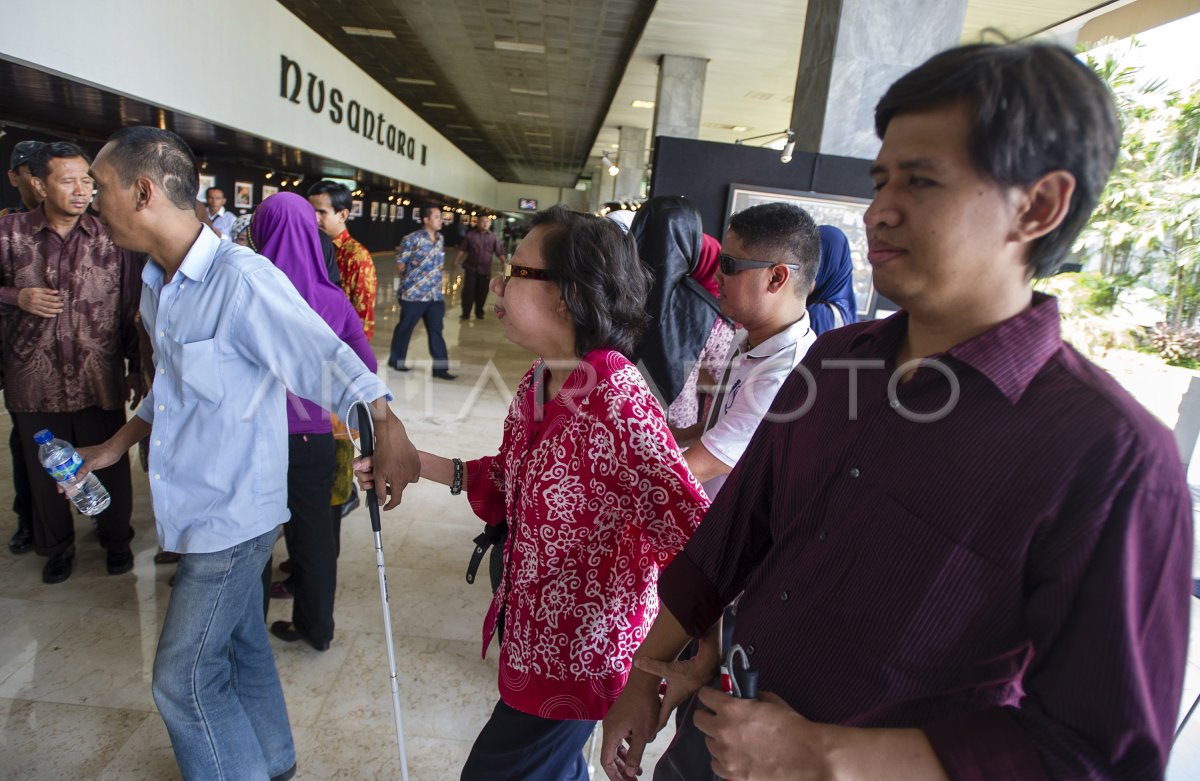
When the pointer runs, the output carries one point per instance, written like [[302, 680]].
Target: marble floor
[[76, 658]]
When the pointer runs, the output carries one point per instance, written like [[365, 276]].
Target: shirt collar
[[341, 239], [1010, 354], [199, 258], [38, 222], [768, 347], [217, 216]]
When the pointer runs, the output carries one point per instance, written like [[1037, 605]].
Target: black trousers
[[53, 520], [516, 746], [312, 534], [474, 292], [22, 494]]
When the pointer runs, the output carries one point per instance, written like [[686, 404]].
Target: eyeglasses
[[524, 272], [730, 265]]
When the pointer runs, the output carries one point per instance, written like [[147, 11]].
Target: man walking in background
[[479, 246], [222, 221], [419, 263]]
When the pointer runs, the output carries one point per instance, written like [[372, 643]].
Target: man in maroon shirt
[[69, 297], [963, 551], [479, 246]]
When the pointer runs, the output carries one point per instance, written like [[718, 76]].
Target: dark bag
[[492, 537]]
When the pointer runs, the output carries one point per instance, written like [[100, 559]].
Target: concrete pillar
[[680, 96], [631, 159], [598, 177], [852, 51]]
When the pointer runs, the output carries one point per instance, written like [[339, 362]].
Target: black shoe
[[478, 317], [286, 632], [465, 317], [58, 568], [397, 366], [445, 375], [119, 561], [350, 504], [286, 775], [22, 540]]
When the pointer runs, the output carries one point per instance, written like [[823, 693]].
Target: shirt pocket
[[199, 371], [917, 599]]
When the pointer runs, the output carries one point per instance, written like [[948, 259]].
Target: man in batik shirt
[[332, 203]]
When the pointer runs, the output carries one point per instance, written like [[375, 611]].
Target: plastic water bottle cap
[[43, 436]]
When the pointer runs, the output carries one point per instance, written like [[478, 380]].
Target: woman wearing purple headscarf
[[284, 230]]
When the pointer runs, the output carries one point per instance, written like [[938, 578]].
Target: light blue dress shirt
[[230, 333]]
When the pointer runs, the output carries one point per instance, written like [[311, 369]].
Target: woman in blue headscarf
[[831, 303]]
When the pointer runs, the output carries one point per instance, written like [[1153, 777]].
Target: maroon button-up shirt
[[77, 359], [480, 247], [1011, 575]]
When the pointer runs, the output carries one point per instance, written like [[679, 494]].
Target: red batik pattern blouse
[[598, 499]]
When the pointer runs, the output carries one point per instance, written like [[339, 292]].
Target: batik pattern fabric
[[357, 268], [598, 499]]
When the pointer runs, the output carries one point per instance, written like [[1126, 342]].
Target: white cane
[[367, 443]]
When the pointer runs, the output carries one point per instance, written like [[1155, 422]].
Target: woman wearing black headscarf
[[686, 327]]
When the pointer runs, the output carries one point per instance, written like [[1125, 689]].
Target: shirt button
[[784, 596], [161, 407], [750, 648], [162, 333], [158, 442], [854, 472], [157, 476], [822, 536], [162, 371]]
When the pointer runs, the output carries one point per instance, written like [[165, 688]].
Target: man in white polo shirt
[[765, 273]]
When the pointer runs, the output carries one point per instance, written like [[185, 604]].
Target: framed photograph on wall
[[268, 190], [355, 208], [374, 210], [243, 195], [206, 181], [842, 212], [392, 213]]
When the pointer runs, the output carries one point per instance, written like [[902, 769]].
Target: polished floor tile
[[48, 741]]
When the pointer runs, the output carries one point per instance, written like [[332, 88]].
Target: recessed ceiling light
[[513, 46], [642, 104], [740, 128], [459, 127], [533, 114], [522, 91], [470, 138], [369, 32], [421, 82], [438, 105]]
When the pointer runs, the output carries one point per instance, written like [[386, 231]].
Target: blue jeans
[[215, 682]]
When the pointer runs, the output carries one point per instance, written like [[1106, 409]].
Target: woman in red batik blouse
[[596, 494]]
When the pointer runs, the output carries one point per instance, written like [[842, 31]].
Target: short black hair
[[339, 194], [782, 228], [428, 209], [210, 189], [39, 163], [603, 284], [159, 155], [1035, 109]]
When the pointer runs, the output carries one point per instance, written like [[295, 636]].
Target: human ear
[[1044, 206], [39, 186], [143, 191]]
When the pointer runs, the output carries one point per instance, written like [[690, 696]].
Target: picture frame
[[206, 181], [392, 215], [268, 190], [374, 211], [841, 211], [356, 208], [527, 204], [243, 195]]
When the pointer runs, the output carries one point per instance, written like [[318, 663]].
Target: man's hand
[[629, 726], [136, 387], [684, 678], [40, 301], [97, 457], [762, 739], [395, 462]]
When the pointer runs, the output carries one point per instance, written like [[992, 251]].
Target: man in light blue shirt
[[222, 220], [230, 333]]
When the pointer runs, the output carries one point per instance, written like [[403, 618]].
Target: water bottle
[[88, 494]]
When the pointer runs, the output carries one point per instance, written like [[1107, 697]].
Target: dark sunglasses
[[526, 272], [730, 265]]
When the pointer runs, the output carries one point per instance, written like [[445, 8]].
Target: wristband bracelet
[[456, 485]]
